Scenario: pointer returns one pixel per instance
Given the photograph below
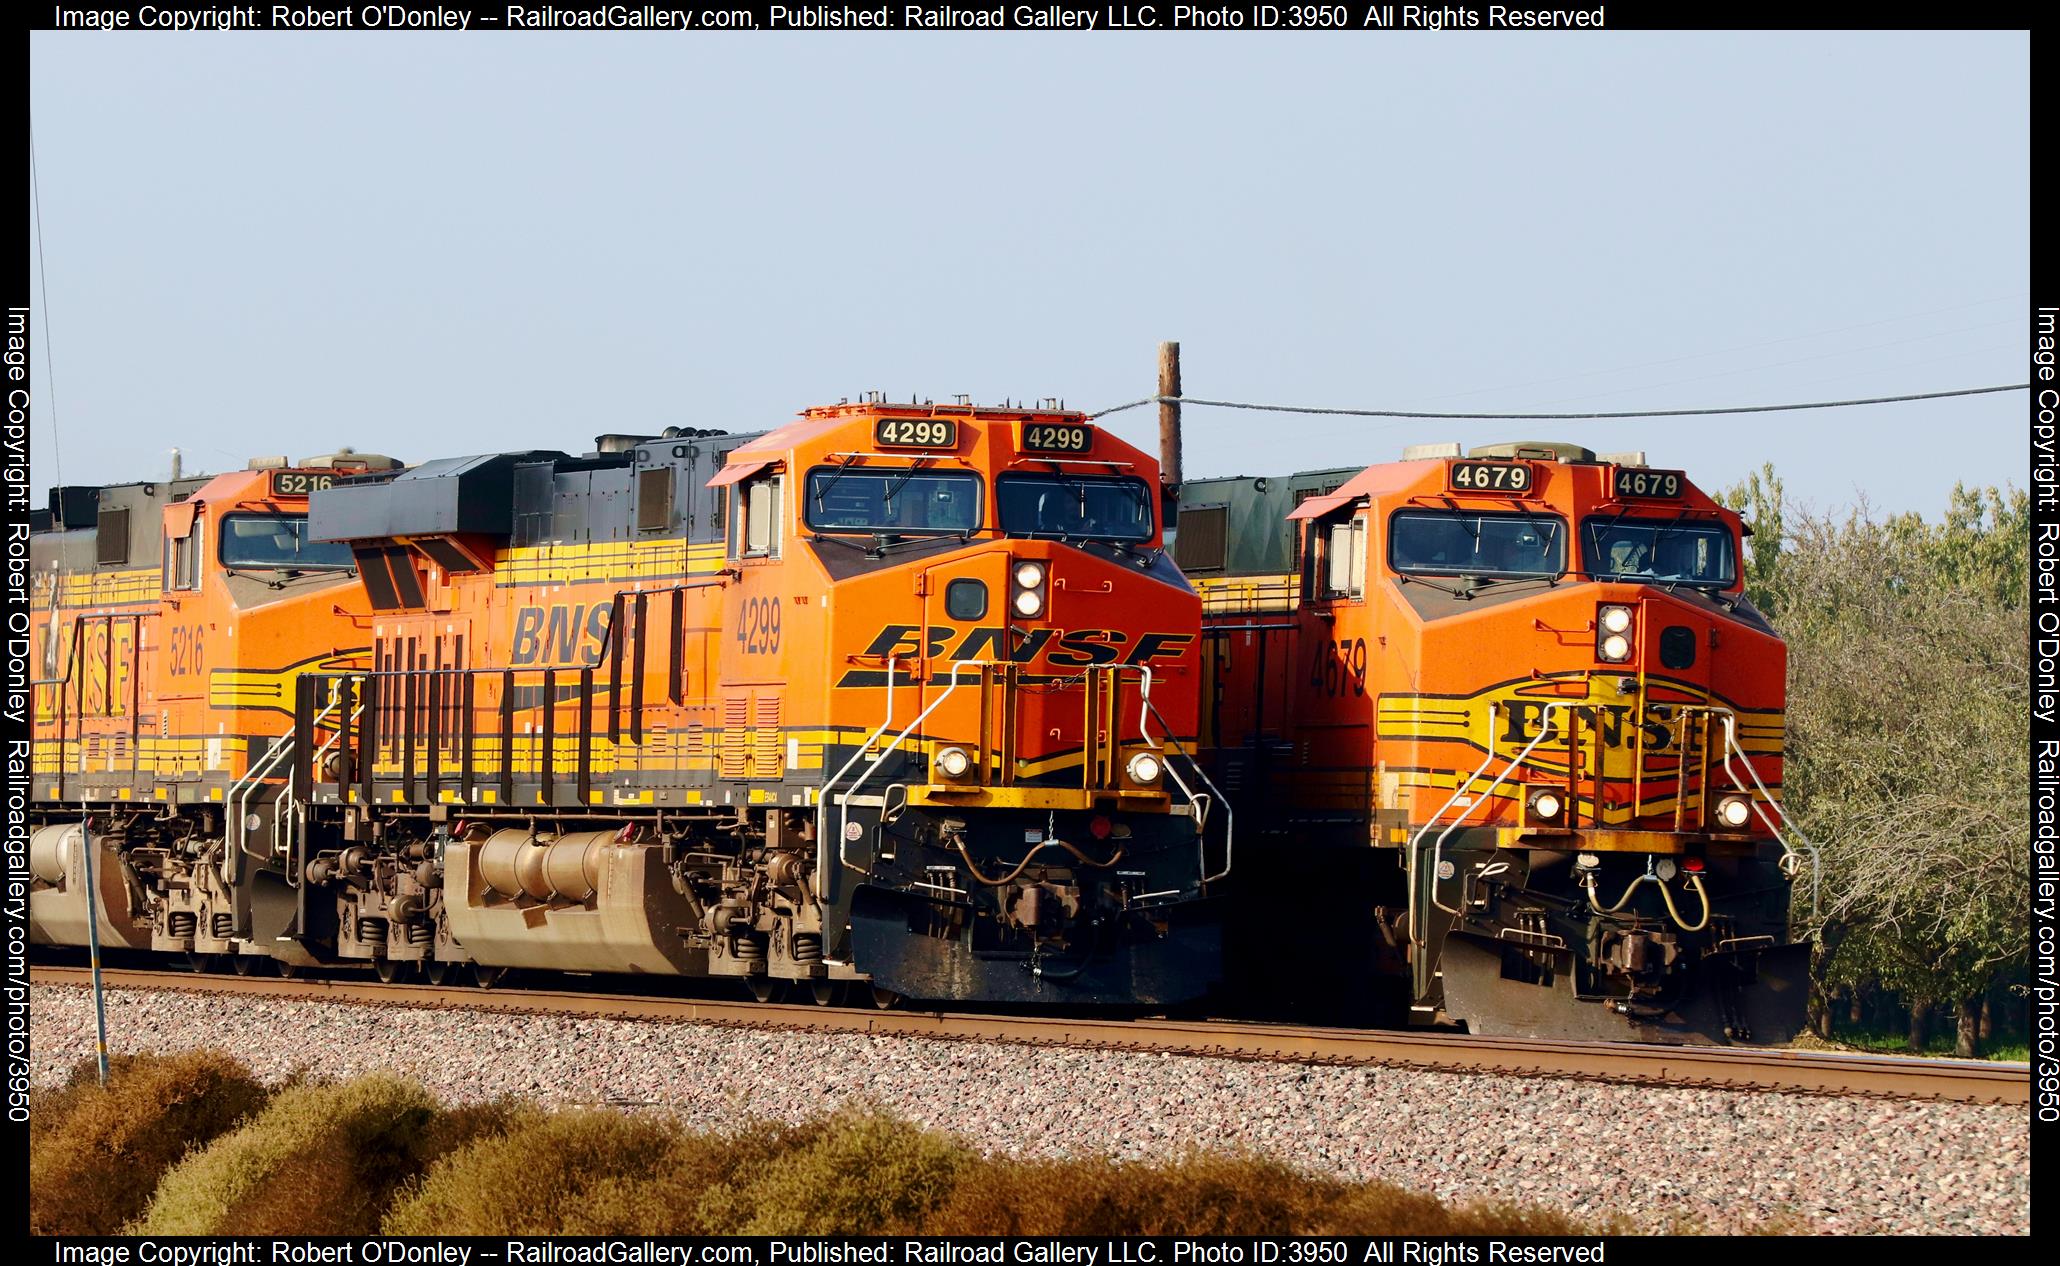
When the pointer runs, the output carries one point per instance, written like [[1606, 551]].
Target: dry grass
[[571, 1173], [855, 1173], [602, 1173], [319, 1160], [379, 1154], [96, 1153], [1211, 1194]]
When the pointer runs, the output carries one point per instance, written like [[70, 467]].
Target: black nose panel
[[1677, 647]]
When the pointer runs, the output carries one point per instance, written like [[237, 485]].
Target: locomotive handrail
[[282, 844], [1545, 728], [844, 800], [822, 804], [1201, 804], [245, 787], [1787, 851]]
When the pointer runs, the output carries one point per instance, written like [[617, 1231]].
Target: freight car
[[891, 697], [1505, 735]]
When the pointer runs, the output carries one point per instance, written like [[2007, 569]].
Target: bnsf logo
[[1522, 720], [566, 633], [1066, 648]]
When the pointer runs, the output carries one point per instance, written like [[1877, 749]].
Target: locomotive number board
[[1650, 485], [296, 483], [1491, 477], [1057, 437], [916, 433]]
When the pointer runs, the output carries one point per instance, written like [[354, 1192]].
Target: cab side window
[[182, 557], [1345, 560], [756, 531]]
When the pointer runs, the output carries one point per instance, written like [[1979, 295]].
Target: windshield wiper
[[835, 475], [888, 499], [270, 584], [1457, 593]]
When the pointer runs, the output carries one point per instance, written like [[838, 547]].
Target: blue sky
[[434, 244]]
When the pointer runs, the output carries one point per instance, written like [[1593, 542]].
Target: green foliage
[[1907, 743], [96, 1152]]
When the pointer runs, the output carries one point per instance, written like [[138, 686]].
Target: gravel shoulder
[[1722, 1160]]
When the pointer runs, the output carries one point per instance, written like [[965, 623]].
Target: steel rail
[[1713, 1067]]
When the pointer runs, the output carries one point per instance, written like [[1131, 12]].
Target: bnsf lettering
[[1082, 647], [1525, 719], [1076, 648], [996, 644], [565, 633]]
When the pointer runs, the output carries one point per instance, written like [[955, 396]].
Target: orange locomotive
[[176, 617], [892, 695], [1510, 736]]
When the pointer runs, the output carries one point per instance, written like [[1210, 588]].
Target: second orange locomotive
[[892, 695]]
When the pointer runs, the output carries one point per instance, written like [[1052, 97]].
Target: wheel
[[436, 970], [245, 964], [488, 977], [286, 970], [765, 988], [826, 993], [885, 999], [202, 964], [390, 969]]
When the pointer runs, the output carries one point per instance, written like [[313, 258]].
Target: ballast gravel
[[1724, 1161]]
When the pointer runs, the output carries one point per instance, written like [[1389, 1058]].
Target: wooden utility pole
[[1169, 427]]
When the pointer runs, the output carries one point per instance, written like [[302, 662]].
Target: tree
[[1907, 750]]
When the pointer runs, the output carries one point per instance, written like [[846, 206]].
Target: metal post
[[93, 944], [1169, 427]]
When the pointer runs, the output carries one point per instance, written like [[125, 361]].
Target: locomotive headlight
[[1613, 622], [1734, 811], [1546, 806], [953, 762], [1144, 768], [1029, 580], [1665, 869]]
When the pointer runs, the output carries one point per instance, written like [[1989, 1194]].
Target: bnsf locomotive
[[1507, 734], [890, 696]]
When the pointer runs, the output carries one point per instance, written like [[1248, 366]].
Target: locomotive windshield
[[899, 500], [1074, 507], [278, 540], [1447, 543], [1657, 552]]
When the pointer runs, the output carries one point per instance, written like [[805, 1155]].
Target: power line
[[43, 278], [1559, 417]]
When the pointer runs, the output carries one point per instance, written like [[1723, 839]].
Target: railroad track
[[1738, 1068]]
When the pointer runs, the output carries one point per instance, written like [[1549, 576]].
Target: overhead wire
[[43, 279], [1558, 417]]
